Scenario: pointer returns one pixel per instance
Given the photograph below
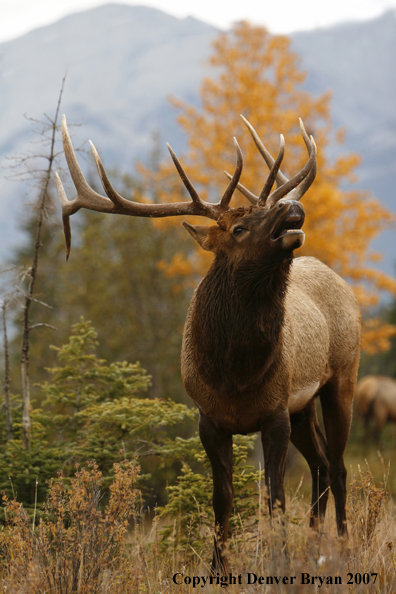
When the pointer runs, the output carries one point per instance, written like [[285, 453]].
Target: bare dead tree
[[27, 168], [27, 326]]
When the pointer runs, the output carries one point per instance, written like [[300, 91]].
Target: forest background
[[117, 307]]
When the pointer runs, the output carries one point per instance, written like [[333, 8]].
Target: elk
[[265, 333], [376, 399]]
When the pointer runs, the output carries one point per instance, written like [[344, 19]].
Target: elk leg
[[336, 400], [380, 413], [310, 441], [275, 435], [366, 429], [218, 446]]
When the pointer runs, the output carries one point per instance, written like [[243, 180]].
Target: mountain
[[355, 61], [123, 63]]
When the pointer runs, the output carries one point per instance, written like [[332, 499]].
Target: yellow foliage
[[259, 77], [377, 335], [178, 265]]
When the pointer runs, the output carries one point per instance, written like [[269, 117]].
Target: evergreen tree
[[92, 409]]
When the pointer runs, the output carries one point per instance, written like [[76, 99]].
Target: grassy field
[[85, 545]]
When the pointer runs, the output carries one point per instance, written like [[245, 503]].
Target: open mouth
[[292, 223]]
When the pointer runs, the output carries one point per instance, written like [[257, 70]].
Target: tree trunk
[[8, 413], [26, 425]]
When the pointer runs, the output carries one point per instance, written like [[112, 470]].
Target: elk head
[[270, 219], [244, 232]]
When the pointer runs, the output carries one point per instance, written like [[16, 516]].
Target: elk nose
[[294, 207]]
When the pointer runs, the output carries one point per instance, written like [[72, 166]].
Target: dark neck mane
[[237, 321]]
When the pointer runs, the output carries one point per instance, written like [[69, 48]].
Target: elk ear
[[206, 236]]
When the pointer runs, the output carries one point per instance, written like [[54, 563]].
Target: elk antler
[[295, 187], [280, 177], [116, 204]]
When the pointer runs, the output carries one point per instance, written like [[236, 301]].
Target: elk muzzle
[[287, 232]]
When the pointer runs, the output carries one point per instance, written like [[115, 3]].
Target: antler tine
[[86, 196], [226, 198], [247, 193], [307, 139], [116, 199], [298, 192], [265, 192], [297, 179], [66, 218], [280, 177], [183, 175], [296, 187]]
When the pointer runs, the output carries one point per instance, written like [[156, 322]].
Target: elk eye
[[238, 230]]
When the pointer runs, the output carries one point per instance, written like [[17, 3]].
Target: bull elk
[[265, 334], [376, 399]]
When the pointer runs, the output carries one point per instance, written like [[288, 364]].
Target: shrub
[[79, 543]]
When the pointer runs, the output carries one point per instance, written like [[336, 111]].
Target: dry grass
[[78, 542], [81, 546]]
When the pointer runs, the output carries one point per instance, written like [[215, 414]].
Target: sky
[[279, 16]]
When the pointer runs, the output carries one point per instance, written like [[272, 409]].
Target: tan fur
[[321, 341], [376, 399]]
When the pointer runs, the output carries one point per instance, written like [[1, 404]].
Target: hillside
[[122, 63], [356, 62]]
